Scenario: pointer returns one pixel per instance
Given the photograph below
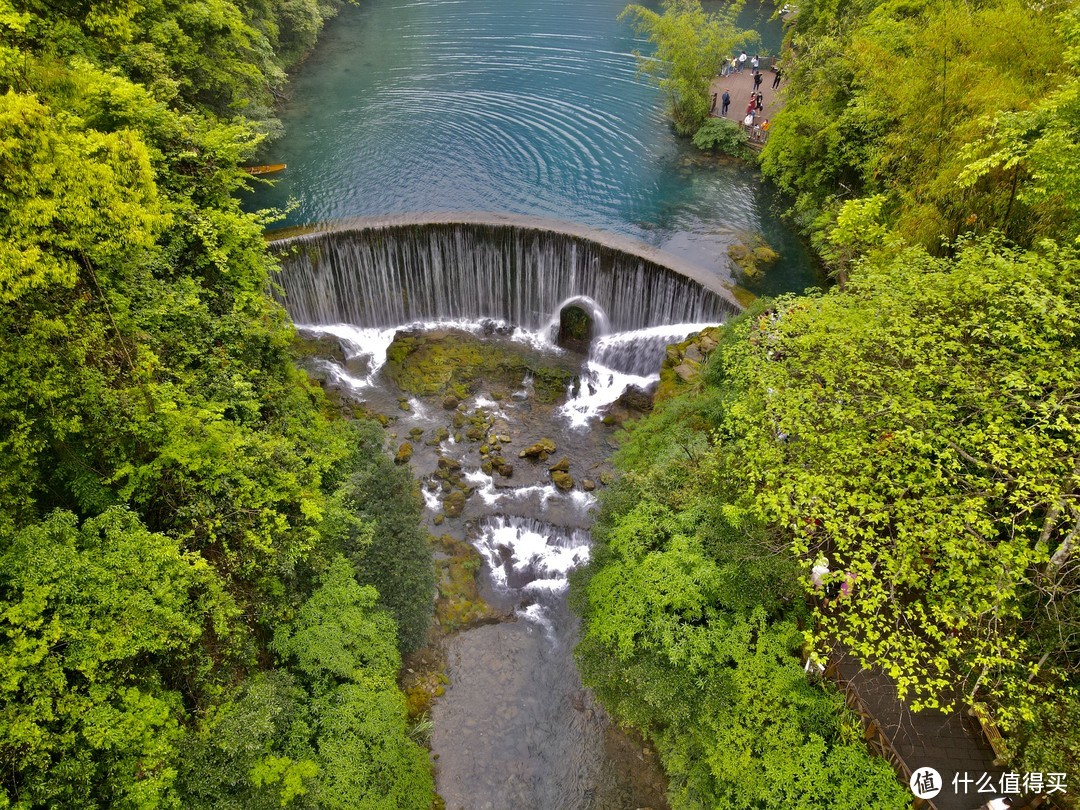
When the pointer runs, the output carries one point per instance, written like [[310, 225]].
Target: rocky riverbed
[[485, 418]]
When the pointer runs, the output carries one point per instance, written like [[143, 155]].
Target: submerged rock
[[588, 484], [404, 453]]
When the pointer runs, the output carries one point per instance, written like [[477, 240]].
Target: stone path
[[951, 743], [740, 86]]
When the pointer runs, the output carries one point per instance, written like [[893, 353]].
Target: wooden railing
[[990, 731], [873, 735]]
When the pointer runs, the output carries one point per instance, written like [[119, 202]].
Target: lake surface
[[527, 107]]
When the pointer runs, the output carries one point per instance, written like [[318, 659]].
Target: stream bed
[[515, 727]]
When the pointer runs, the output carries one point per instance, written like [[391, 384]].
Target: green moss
[[449, 362], [753, 256]]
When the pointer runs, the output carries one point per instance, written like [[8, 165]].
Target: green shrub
[[723, 136]]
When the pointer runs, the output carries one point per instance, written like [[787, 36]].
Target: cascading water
[[516, 705], [399, 274], [530, 560]]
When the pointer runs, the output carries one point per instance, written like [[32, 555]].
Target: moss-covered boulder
[[752, 256], [452, 364], [454, 503], [539, 450], [562, 480], [562, 465], [404, 453], [681, 368]]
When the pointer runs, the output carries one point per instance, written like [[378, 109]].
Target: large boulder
[[454, 503], [562, 465], [404, 453]]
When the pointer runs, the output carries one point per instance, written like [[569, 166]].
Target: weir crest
[[516, 270]]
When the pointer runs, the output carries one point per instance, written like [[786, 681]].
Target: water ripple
[[532, 107]]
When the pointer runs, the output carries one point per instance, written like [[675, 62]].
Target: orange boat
[[270, 169]]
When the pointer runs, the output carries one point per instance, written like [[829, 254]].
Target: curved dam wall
[[389, 273]]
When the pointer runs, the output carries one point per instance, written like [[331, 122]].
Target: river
[[531, 109]]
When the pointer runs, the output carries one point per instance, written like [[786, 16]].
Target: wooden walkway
[[953, 744]]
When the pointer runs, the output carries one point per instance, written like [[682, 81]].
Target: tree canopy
[[177, 498]]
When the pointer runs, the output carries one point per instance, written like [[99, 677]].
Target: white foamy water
[[600, 387], [618, 361], [524, 554]]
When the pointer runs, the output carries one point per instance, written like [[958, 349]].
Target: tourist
[[757, 79], [734, 64], [725, 100], [712, 109], [748, 122], [751, 107], [759, 102], [776, 79], [742, 61], [754, 63]]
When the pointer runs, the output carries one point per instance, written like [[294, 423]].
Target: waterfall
[[391, 275], [525, 554]]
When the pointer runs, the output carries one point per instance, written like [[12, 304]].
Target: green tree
[[395, 556], [691, 46], [690, 634], [95, 622], [919, 433], [885, 98], [342, 646]]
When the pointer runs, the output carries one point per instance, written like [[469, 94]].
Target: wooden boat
[[270, 169]]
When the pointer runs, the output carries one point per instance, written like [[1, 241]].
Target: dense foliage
[[919, 433], [691, 628], [915, 437], [723, 136], [963, 117], [912, 435], [184, 527]]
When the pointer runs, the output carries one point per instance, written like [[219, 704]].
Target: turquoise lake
[[530, 108]]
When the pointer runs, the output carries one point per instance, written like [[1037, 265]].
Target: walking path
[[952, 744], [740, 86]]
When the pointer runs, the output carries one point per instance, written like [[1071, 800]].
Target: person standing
[[742, 61], [757, 79], [725, 100], [776, 79], [758, 105], [754, 63]]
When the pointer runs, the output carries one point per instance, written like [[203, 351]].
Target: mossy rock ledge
[[681, 368], [450, 363]]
